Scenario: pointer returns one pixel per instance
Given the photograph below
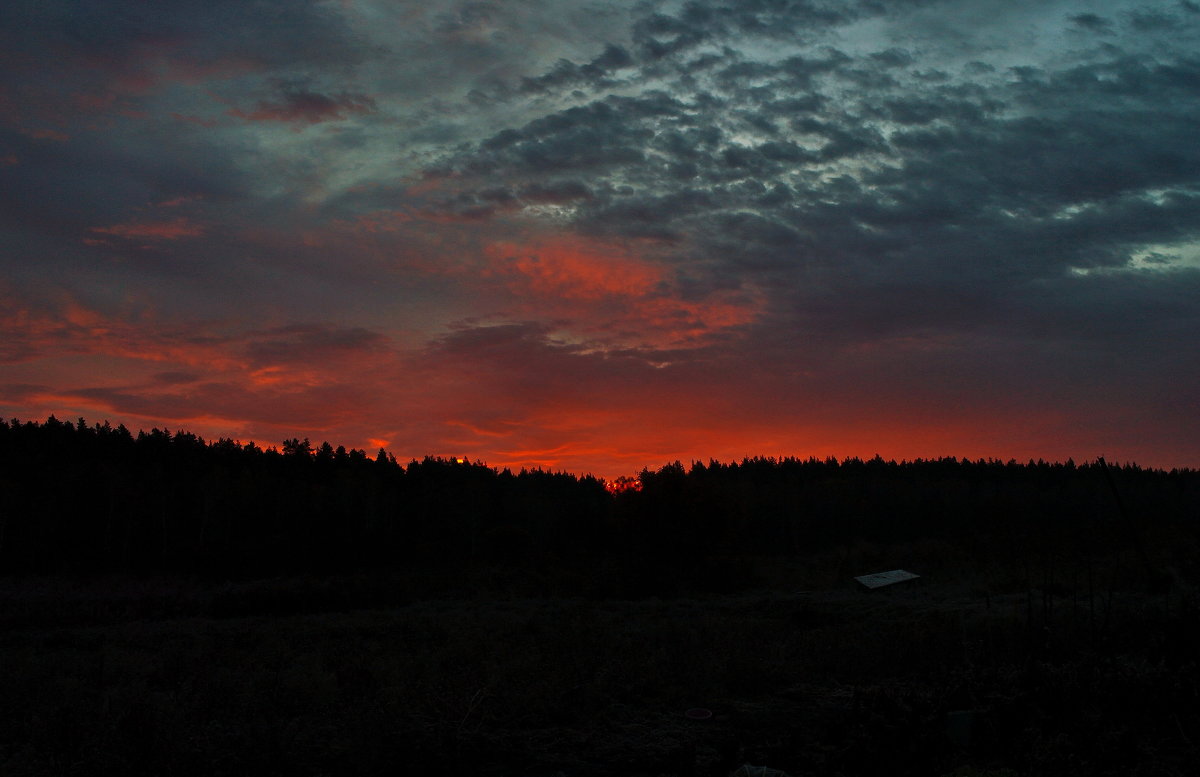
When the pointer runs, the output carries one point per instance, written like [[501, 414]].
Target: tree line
[[95, 499]]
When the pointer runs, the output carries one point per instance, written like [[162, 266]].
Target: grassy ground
[[965, 674]]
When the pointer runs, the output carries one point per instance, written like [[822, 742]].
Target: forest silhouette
[[98, 499]]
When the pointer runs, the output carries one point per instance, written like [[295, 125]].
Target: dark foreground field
[[170, 606], [963, 673]]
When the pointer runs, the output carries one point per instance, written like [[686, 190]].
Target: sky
[[601, 236]]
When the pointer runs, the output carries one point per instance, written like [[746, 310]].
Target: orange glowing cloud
[[142, 337], [265, 383], [607, 289], [575, 269], [69, 326]]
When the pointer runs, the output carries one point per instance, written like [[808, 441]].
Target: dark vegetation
[[175, 606]]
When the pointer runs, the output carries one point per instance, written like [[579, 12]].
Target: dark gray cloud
[[312, 344], [123, 39], [596, 74], [660, 35], [1092, 22], [300, 104], [918, 202]]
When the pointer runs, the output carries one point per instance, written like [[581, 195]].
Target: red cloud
[[609, 291], [175, 202], [512, 396], [155, 230], [48, 134], [196, 374], [575, 269]]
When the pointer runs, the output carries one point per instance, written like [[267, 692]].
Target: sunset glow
[[599, 237]]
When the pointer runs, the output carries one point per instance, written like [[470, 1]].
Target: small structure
[[746, 770], [881, 579]]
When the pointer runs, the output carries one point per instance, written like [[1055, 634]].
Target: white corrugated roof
[[880, 579]]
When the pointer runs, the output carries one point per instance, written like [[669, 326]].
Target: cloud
[[308, 107], [219, 378], [910, 171], [175, 378], [312, 344], [48, 134], [555, 192], [549, 224], [596, 74], [604, 295], [1092, 22], [235, 405], [173, 229]]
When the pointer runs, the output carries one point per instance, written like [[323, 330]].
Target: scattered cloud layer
[[600, 236]]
